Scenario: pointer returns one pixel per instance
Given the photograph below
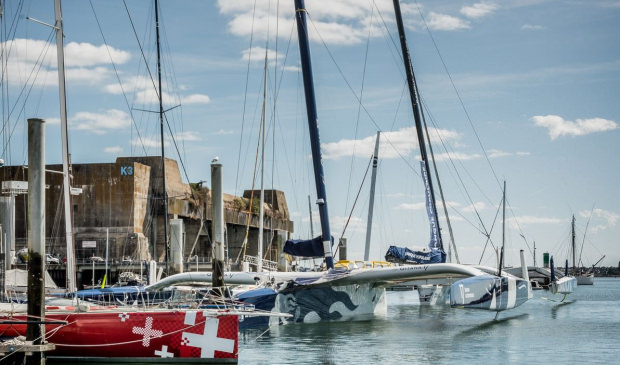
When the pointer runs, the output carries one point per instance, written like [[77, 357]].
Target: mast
[[313, 124], [71, 285], [573, 241], [161, 131], [501, 255], [375, 161], [310, 214], [217, 263], [261, 209], [416, 110]]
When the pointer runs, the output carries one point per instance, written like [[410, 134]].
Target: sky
[[524, 92]]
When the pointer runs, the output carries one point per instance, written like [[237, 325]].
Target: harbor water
[[584, 328]]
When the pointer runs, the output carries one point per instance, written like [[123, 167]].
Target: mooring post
[[36, 236], [217, 263]]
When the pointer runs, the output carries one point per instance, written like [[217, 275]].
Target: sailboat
[[561, 285], [583, 278], [494, 292], [80, 330]]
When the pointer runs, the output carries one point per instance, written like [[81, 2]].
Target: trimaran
[[346, 293]]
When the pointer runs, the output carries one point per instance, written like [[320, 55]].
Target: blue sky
[[525, 92]]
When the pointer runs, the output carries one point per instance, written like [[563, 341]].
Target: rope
[[129, 342]]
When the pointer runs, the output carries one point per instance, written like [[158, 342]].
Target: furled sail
[[435, 254], [306, 248]]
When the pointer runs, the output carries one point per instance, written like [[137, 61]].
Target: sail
[[435, 241], [306, 248], [405, 255]]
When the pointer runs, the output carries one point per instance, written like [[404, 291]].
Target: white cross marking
[[123, 316], [148, 332], [208, 341], [190, 318], [164, 352]]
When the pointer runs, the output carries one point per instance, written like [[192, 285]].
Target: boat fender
[[82, 307]]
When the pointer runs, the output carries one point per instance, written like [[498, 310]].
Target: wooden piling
[[36, 237]]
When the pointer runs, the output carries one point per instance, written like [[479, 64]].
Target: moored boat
[[125, 333], [585, 279]]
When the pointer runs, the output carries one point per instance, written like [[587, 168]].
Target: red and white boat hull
[[139, 334]]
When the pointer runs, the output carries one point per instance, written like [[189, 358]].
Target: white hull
[[433, 294], [587, 279], [565, 285]]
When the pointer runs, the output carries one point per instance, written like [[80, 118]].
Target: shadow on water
[[313, 342], [302, 333], [491, 323], [556, 307]]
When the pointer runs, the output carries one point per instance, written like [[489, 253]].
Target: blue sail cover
[[306, 248], [406, 256]]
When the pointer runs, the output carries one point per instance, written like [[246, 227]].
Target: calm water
[[583, 329]]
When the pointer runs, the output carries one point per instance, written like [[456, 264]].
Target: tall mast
[[375, 161], [161, 131], [71, 286], [573, 242], [310, 215], [261, 209], [313, 124], [501, 255], [416, 108]]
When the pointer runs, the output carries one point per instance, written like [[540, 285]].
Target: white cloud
[[532, 27], [476, 207], [257, 54], [478, 10], [187, 136], [498, 153], [456, 156], [411, 206], [148, 142], [114, 150], [144, 90], [559, 127], [337, 223], [86, 54], [609, 219], [76, 54], [224, 132], [292, 68], [52, 121], [195, 99], [337, 22], [148, 96], [392, 144], [516, 222], [35, 62], [446, 22], [86, 75], [131, 85], [101, 123], [397, 195]]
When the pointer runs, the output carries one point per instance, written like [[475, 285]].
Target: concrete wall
[[121, 207]]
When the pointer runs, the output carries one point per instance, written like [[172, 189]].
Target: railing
[[253, 260]]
